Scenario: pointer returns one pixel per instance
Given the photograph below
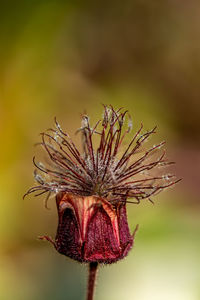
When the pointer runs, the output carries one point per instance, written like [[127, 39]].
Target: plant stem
[[91, 280]]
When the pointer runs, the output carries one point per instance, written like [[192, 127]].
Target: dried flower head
[[93, 186]]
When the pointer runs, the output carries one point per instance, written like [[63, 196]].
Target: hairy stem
[[91, 280]]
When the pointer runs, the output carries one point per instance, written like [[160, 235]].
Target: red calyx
[[90, 229]]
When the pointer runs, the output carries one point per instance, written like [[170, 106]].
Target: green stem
[[91, 280]]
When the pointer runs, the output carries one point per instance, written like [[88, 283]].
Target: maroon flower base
[[90, 229]]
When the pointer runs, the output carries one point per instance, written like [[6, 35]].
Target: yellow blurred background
[[62, 58]]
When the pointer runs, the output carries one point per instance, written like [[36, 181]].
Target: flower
[[93, 187]]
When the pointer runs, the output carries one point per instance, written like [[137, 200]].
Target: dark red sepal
[[90, 229]]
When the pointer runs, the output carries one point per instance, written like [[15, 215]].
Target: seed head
[[93, 186]]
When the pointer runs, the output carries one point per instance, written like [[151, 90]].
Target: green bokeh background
[[62, 58]]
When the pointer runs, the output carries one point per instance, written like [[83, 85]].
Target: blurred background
[[63, 58]]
